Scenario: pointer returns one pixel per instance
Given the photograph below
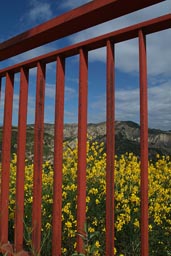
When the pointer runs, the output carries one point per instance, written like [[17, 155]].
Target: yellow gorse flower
[[127, 200]]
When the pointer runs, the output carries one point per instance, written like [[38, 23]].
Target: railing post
[[0, 87], [58, 159], [82, 141], [22, 121], [143, 143], [38, 154], [110, 151], [6, 153]]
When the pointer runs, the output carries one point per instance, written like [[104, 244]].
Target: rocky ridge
[[127, 135]]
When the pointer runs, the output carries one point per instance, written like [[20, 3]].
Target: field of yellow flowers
[[127, 203]]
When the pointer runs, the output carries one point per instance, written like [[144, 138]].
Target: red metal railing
[[19, 45]]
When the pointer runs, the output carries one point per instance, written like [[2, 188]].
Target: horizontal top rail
[[78, 19], [148, 27]]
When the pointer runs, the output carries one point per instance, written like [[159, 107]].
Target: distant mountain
[[127, 138]]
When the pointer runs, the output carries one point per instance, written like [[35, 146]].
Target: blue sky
[[19, 16]]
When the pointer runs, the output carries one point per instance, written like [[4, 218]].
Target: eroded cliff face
[[126, 130], [156, 138], [127, 138], [160, 140]]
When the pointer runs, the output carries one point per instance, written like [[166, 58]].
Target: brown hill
[[127, 138]]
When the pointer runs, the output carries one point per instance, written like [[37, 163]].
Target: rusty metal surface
[[148, 27], [82, 148], [20, 175], [143, 143], [38, 156], [110, 150], [0, 87], [58, 159], [5, 158], [83, 17]]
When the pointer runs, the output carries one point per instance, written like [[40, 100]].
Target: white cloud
[[70, 93], [160, 105], [127, 56], [39, 11], [31, 108], [127, 100], [32, 54], [159, 52], [50, 90], [127, 106], [73, 4], [70, 116], [158, 44]]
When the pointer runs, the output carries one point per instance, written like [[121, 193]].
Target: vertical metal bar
[[38, 155], [0, 86], [58, 159], [0, 158], [19, 213], [110, 151], [6, 150], [82, 140], [143, 142]]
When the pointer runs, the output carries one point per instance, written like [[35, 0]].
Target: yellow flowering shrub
[[127, 203]]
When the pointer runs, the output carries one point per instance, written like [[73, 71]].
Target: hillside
[[127, 138]]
